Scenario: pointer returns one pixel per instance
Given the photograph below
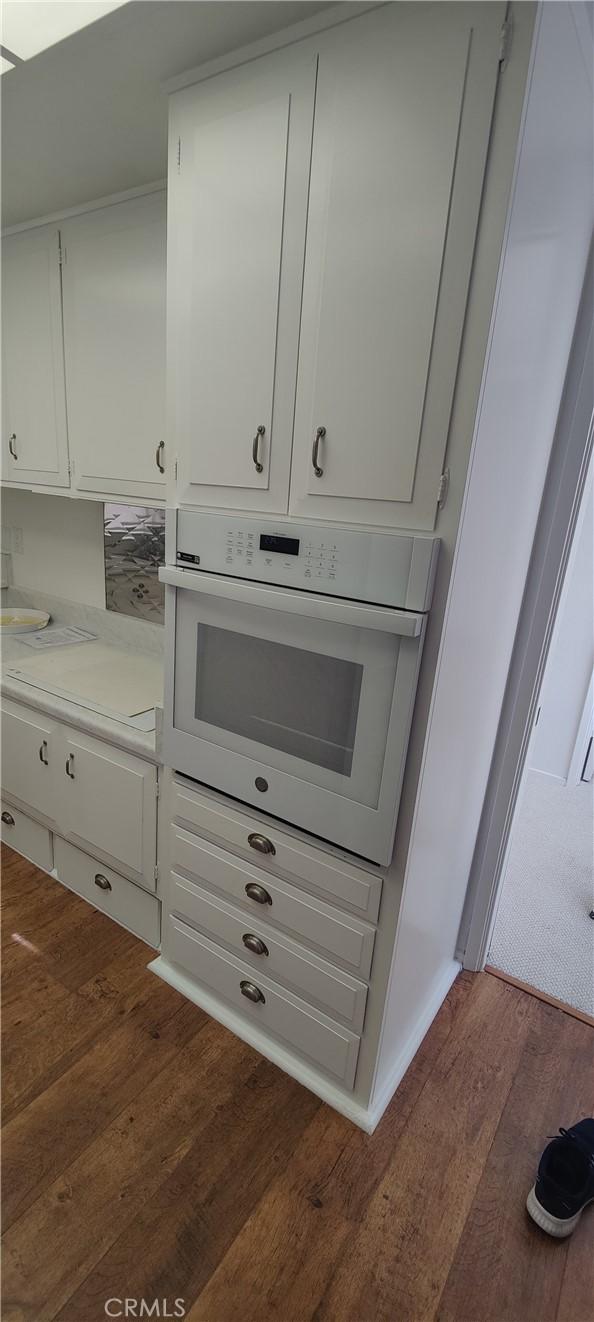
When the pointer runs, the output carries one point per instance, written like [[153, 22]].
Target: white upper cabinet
[[357, 405], [114, 289], [239, 165], [34, 445], [403, 110]]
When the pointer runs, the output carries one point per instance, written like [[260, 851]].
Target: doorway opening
[[543, 933]]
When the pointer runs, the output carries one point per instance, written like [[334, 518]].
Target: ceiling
[[88, 117]]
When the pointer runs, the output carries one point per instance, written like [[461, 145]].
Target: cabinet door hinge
[[505, 40], [179, 156], [156, 872], [443, 488], [61, 255], [175, 470]]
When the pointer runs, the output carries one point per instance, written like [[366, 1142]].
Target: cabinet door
[[114, 277], [35, 446], [403, 111], [29, 759], [108, 805], [239, 150]]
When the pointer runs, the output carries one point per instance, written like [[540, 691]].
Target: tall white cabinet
[[34, 436], [324, 201], [324, 207]]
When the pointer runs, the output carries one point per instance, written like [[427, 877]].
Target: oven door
[[296, 703]]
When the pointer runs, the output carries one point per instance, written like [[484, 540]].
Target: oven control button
[[261, 784]]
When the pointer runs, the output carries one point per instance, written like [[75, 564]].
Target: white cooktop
[[126, 686]]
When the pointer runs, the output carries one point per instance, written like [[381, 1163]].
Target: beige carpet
[[543, 934]]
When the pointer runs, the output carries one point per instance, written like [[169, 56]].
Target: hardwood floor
[[148, 1154]]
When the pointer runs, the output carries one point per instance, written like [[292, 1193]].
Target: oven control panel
[[297, 558], [394, 569]]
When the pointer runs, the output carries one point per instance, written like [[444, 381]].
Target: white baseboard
[[409, 1050], [365, 1117], [549, 776]]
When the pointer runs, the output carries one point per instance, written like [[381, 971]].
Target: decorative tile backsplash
[[134, 543]]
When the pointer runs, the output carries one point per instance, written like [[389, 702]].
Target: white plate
[[21, 619]]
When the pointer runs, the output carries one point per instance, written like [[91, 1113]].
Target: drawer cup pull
[[261, 843], [102, 882], [8, 819], [69, 765], [257, 893], [254, 943], [252, 992], [43, 753]]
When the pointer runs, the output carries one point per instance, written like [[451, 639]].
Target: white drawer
[[339, 934], [128, 904], [27, 837], [333, 876], [332, 989], [302, 1027]]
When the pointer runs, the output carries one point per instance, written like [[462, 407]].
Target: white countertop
[[134, 637]]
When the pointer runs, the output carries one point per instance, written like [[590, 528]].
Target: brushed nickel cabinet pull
[[254, 943], [257, 893], [69, 766], [252, 992], [256, 448], [102, 882], [319, 436], [42, 751], [261, 843], [158, 456], [12, 445], [8, 819]]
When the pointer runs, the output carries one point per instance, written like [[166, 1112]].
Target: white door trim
[[559, 514]]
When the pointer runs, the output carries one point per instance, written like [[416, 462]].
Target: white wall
[[571, 658], [535, 312], [61, 543]]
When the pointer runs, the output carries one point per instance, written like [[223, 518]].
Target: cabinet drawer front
[[120, 899], [330, 988], [338, 880], [340, 935], [326, 1043], [27, 837]]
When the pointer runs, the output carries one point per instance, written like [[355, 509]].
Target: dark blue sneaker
[[565, 1181]]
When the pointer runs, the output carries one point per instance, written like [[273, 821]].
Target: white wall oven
[[292, 661]]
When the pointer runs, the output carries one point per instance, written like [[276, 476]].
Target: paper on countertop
[[57, 637]]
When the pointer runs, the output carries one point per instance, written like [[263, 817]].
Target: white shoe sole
[[559, 1227]]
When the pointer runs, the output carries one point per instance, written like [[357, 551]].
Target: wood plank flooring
[[148, 1154]]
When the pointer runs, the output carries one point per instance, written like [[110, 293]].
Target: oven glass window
[[303, 703]]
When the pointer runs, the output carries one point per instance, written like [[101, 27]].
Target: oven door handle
[[334, 609]]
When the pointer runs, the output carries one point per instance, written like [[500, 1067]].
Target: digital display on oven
[[284, 545]]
